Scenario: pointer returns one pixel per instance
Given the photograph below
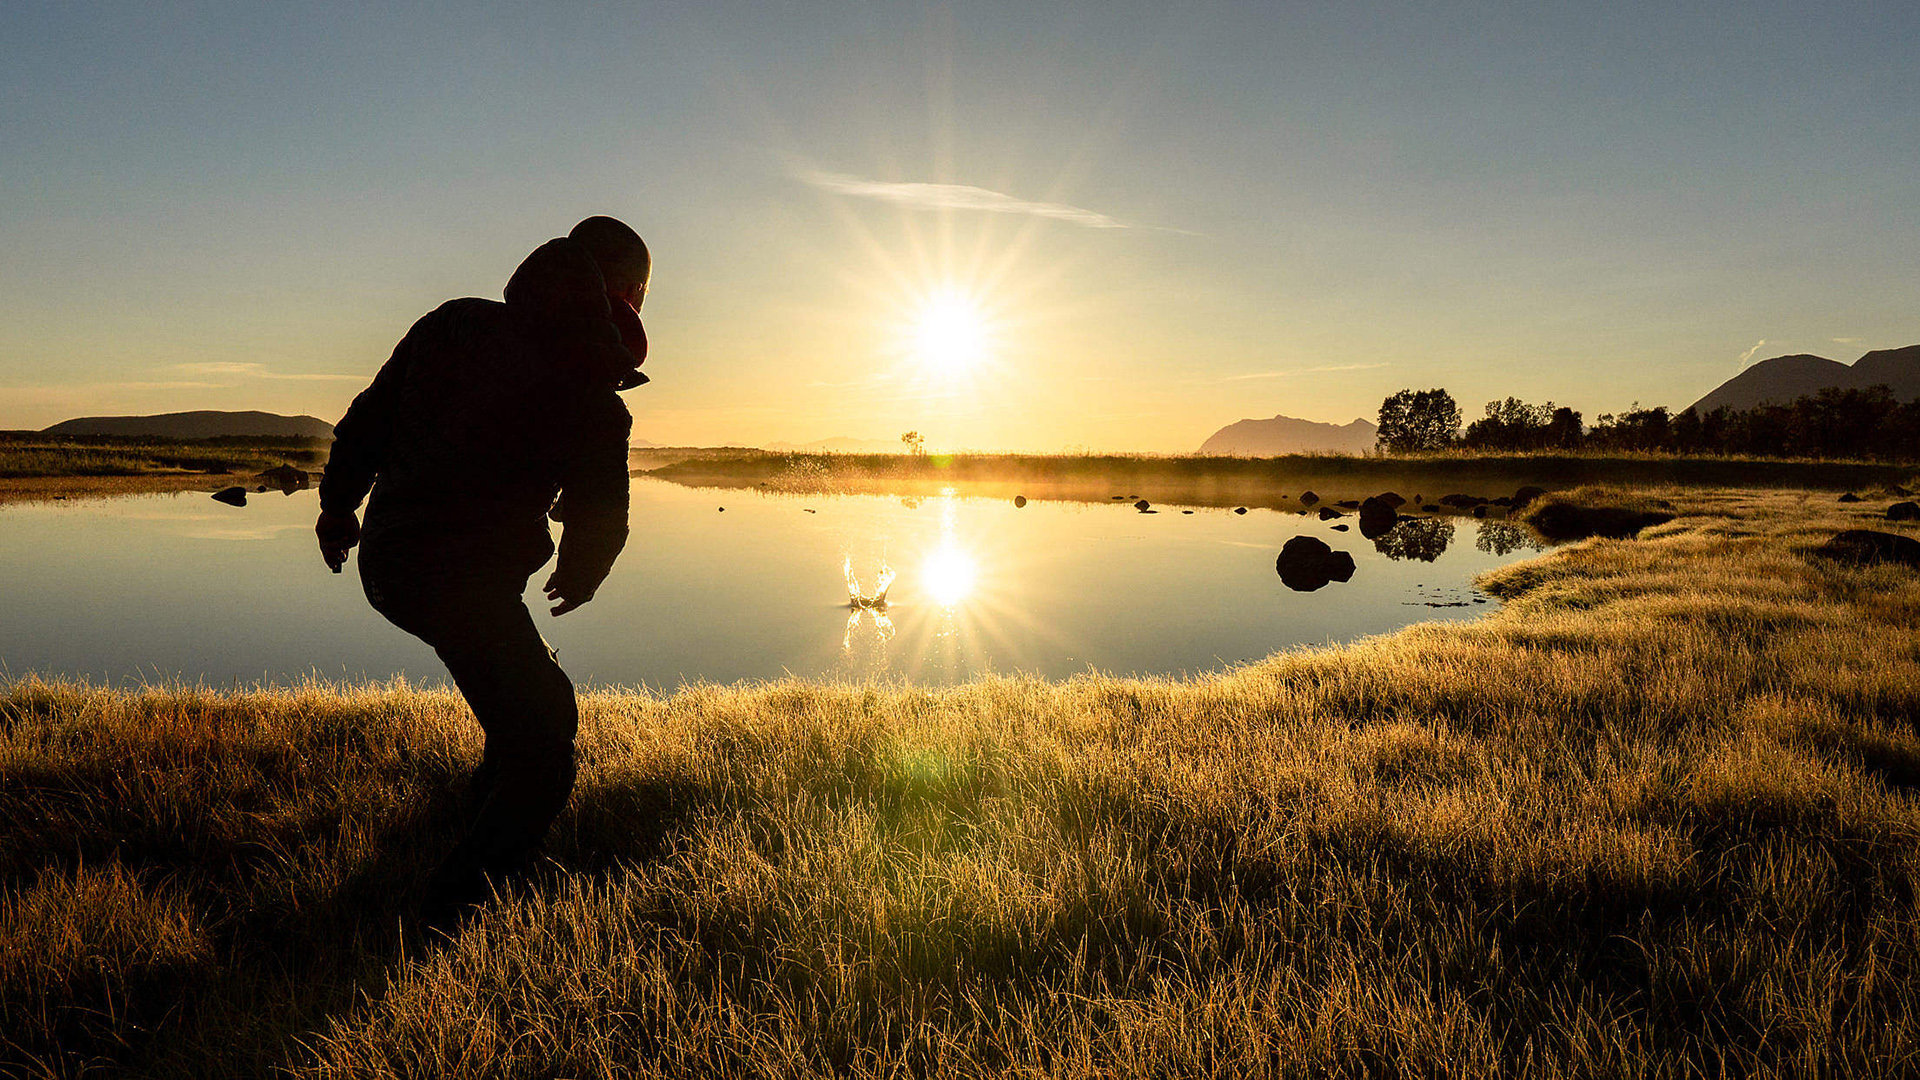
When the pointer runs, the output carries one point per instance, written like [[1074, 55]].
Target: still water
[[182, 587]]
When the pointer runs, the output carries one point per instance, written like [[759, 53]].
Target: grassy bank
[[1655, 817], [1227, 481], [25, 454], [36, 467]]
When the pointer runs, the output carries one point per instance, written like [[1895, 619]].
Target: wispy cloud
[[258, 371], [1751, 349], [1846, 340], [1302, 371], [927, 196]]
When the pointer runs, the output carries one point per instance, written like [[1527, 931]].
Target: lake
[[181, 587]]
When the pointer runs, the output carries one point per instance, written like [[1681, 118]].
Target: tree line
[[1854, 423]]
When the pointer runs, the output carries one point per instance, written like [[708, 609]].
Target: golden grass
[[1655, 817]]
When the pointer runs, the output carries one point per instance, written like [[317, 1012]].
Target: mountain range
[[1290, 435], [1781, 379], [200, 424]]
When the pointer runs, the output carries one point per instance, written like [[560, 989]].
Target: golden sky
[[1093, 225]]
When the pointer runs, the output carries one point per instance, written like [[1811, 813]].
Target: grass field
[[1655, 817]]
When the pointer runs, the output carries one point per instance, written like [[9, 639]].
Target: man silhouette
[[485, 413]]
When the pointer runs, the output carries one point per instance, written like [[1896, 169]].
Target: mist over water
[[182, 587]]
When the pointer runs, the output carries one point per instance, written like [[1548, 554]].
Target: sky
[[1102, 226]]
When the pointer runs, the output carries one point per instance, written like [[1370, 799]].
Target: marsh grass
[[1655, 817], [32, 454], [1209, 480]]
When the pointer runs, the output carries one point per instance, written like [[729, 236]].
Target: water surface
[[182, 587]]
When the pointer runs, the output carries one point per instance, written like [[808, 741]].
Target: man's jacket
[[488, 410]]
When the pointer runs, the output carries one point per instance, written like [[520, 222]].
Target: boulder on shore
[[1307, 563], [1462, 502], [1865, 547], [232, 496], [1561, 521], [1527, 494]]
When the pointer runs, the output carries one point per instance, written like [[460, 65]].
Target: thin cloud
[[257, 371], [1303, 371], [1754, 348], [927, 196], [1846, 340]]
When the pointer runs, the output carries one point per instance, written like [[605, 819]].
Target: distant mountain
[[843, 445], [203, 424], [1290, 435], [1783, 378]]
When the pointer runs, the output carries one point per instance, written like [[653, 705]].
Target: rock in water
[[1240, 510], [1864, 547], [1307, 563], [1377, 515], [1391, 498], [1143, 505], [1527, 494], [1328, 513], [1019, 501], [1308, 499], [233, 496], [1904, 511], [287, 478]]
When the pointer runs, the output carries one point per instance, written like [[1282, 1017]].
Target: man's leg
[[525, 704]]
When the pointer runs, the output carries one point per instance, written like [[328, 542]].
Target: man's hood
[[560, 289]]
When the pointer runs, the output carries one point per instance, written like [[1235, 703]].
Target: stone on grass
[[1865, 547], [1904, 511]]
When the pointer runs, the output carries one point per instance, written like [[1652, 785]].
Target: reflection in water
[[948, 574], [882, 627], [1505, 538], [1425, 539]]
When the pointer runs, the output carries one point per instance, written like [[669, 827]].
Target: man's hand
[[338, 533], [568, 599]]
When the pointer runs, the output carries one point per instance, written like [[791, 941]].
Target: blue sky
[[1166, 217]]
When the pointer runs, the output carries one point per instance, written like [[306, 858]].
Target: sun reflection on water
[[948, 574]]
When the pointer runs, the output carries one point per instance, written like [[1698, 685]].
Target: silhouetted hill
[[201, 424], [1290, 435], [1898, 368], [1783, 378]]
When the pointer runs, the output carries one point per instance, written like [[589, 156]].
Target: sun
[[950, 333]]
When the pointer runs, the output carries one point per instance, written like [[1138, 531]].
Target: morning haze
[[1168, 220]]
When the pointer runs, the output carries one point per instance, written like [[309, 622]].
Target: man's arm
[[359, 449], [595, 489]]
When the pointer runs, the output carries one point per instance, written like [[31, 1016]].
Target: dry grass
[[1655, 817]]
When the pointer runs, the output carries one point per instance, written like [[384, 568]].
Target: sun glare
[[949, 333], [948, 575]]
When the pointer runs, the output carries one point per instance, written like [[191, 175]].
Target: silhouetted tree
[[916, 442], [1418, 420]]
